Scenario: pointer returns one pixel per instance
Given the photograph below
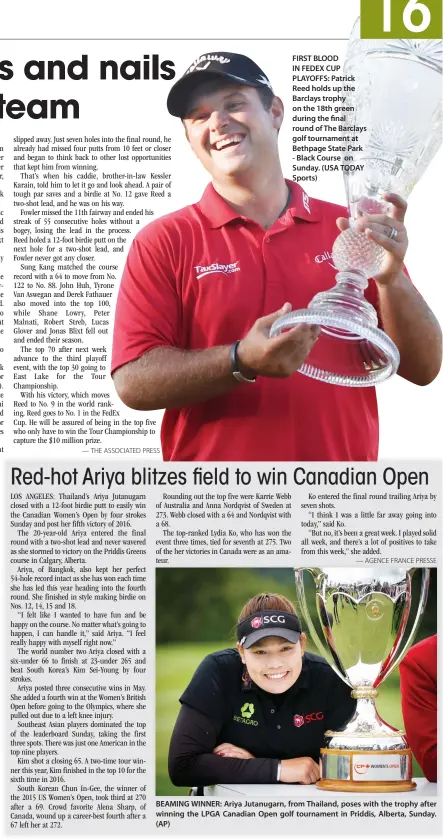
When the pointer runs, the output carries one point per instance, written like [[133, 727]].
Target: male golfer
[[203, 285]]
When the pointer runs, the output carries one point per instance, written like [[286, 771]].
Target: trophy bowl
[[391, 128], [358, 620]]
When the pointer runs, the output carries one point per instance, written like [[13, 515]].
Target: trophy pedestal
[[356, 771], [366, 786], [369, 755], [350, 350]]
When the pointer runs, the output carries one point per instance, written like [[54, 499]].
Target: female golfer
[[257, 714]]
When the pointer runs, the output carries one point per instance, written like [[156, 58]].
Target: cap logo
[[256, 622], [205, 61]]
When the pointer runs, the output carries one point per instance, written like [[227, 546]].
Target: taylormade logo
[[215, 268]]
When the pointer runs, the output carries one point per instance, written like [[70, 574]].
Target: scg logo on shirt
[[317, 715], [299, 720]]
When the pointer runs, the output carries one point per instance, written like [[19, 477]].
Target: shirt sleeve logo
[[306, 203]]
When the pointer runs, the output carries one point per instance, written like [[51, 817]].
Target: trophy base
[[366, 786], [345, 353], [350, 350], [371, 770]]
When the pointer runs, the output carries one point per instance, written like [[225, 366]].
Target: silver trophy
[[358, 624], [390, 129]]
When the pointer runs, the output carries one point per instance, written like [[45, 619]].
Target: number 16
[[411, 6]]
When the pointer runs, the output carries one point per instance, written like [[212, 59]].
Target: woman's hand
[[299, 770], [228, 750]]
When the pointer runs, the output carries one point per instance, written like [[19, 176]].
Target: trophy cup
[[360, 629], [392, 118]]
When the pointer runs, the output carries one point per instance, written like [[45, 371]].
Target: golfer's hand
[[380, 228], [299, 770], [228, 750], [277, 357]]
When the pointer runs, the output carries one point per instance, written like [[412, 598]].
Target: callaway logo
[[207, 60], [324, 257], [216, 268], [263, 80]]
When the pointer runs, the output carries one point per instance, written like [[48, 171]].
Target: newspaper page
[[222, 544]]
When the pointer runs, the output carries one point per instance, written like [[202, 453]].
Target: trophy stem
[[364, 692], [346, 301]]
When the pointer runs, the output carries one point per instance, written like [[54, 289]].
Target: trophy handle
[[425, 580], [329, 654]]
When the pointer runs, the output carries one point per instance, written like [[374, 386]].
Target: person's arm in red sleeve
[[418, 686]]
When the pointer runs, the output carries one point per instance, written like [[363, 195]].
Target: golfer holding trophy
[[363, 623]]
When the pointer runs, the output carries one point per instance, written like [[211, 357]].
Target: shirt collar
[[218, 212], [303, 681]]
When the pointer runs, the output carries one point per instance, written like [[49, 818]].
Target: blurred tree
[[191, 604], [203, 604]]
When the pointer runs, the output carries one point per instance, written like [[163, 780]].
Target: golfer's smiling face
[[274, 664], [230, 130]]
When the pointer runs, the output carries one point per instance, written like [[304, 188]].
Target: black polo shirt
[[287, 725]]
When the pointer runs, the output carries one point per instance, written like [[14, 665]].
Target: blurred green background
[[196, 614]]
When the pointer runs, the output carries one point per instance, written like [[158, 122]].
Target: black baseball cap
[[217, 65], [267, 623]]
